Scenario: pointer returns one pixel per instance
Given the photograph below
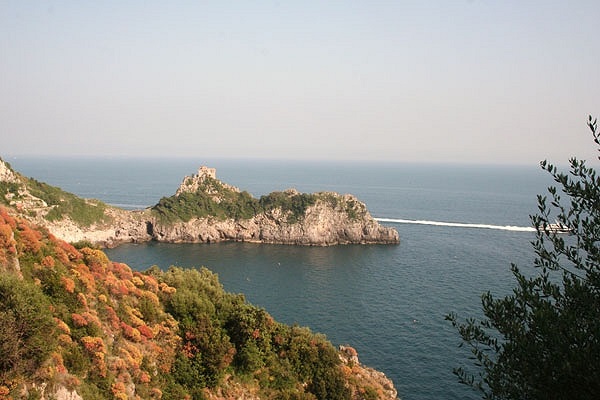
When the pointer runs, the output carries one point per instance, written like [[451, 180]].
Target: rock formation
[[382, 386], [6, 173], [289, 217]]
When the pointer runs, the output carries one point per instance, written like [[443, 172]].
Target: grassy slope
[[62, 204]]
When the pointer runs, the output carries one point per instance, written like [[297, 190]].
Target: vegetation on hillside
[[213, 199], [72, 318], [60, 204], [83, 212], [543, 340]]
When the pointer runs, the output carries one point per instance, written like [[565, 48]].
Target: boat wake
[[458, 224]]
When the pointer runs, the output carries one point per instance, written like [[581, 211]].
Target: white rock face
[[322, 225], [126, 227], [6, 175]]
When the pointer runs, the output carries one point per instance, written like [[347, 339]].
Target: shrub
[[27, 330]]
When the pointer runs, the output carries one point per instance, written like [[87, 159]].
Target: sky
[[501, 82]]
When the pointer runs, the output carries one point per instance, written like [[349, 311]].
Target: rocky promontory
[[203, 210]]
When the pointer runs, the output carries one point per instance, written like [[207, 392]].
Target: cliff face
[[219, 212], [321, 225]]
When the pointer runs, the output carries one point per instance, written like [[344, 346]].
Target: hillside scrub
[[81, 211], [71, 318]]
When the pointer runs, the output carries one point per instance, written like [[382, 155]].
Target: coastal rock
[[123, 227], [320, 219], [193, 183], [378, 383], [321, 225], [6, 173]]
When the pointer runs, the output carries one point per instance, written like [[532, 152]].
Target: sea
[[460, 226]]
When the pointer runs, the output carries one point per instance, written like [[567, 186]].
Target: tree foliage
[[543, 340]]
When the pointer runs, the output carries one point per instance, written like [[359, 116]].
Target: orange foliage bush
[[132, 355], [7, 243], [65, 249], [113, 318], [85, 276], [166, 288], [62, 326], [5, 218], [144, 377], [119, 391], [57, 358], [78, 320], [130, 332], [135, 316], [7, 238], [65, 339], [48, 261], [91, 318], [96, 260], [82, 300], [29, 239], [149, 281], [94, 345], [145, 331], [68, 284], [137, 281], [122, 271], [96, 348]]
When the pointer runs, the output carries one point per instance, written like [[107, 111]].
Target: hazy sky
[[460, 81]]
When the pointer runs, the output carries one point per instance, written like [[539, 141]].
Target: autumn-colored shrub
[[68, 284], [7, 242], [130, 332], [96, 349], [78, 320], [29, 239], [115, 333], [48, 261], [145, 331]]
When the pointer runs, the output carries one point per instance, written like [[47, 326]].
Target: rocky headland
[[203, 210]]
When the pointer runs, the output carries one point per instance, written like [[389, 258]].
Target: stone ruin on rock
[[193, 183]]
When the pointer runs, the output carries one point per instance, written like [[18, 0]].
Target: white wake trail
[[458, 224]]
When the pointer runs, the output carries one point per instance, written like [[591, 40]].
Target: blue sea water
[[388, 302]]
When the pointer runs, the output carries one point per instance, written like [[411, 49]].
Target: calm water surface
[[388, 302]]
